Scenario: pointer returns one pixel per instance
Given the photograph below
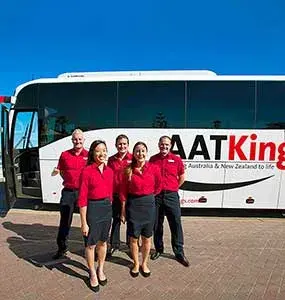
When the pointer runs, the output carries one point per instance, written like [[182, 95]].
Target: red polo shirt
[[171, 167], [118, 165], [71, 166], [145, 183], [94, 184]]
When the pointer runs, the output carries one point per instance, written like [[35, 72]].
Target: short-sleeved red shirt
[[94, 184], [118, 165], [70, 166], [145, 183], [171, 167]]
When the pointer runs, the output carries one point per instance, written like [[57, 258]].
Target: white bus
[[229, 131]]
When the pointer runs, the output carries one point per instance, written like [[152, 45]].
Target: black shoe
[[101, 282], [95, 288], [134, 274], [144, 274], [60, 254], [182, 259], [155, 255]]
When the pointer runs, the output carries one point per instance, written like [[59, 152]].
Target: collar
[[144, 168], [168, 155], [95, 166], [128, 156], [82, 152]]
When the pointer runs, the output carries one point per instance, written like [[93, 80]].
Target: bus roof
[[174, 75], [137, 74]]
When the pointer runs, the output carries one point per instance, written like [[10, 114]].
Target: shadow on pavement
[[36, 243]]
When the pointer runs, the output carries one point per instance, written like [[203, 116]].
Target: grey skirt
[[140, 215], [99, 217]]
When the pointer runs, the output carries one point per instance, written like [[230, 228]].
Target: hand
[[55, 172], [84, 229]]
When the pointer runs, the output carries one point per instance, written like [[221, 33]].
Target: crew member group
[[126, 188]]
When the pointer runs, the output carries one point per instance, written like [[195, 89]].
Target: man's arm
[[181, 179]]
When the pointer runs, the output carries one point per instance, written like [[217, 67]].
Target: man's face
[[164, 146], [77, 141], [122, 146]]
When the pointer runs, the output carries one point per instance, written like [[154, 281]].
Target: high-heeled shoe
[[144, 274], [101, 282], [95, 288], [134, 274]]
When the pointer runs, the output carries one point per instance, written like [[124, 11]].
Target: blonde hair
[[76, 131]]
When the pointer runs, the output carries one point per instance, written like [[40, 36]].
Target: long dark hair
[[130, 168], [90, 159]]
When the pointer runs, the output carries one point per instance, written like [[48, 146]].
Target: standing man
[[70, 165], [167, 202], [118, 163]]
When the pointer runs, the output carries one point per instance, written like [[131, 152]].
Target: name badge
[[171, 160], [85, 158], [129, 161]]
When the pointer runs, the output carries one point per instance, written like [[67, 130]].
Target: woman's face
[[140, 153], [100, 154]]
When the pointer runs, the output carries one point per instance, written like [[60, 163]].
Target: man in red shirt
[[118, 163], [167, 201], [70, 165]]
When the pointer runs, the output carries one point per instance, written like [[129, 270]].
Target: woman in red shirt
[[94, 201], [141, 181]]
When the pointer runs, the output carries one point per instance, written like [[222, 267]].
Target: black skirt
[[140, 215], [99, 217]]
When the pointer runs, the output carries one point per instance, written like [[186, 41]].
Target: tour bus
[[228, 130]]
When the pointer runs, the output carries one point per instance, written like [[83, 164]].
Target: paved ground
[[231, 258]]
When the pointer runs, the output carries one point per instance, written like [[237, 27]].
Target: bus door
[[7, 197], [26, 155]]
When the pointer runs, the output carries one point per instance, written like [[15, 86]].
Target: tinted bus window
[[271, 104], [27, 97], [221, 104], [152, 104], [66, 106]]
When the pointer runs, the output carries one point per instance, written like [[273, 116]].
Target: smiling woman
[[94, 201]]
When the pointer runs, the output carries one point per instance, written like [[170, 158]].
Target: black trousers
[[116, 223], [167, 204], [67, 206]]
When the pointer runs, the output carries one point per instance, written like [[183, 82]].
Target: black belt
[[70, 190], [138, 196], [165, 192], [99, 199]]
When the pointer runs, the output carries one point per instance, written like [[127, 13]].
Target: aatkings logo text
[[243, 148]]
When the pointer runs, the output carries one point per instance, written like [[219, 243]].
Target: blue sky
[[46, 38]]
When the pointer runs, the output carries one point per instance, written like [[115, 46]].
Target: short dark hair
[[90, 159], [121, 136], [165, 137]]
